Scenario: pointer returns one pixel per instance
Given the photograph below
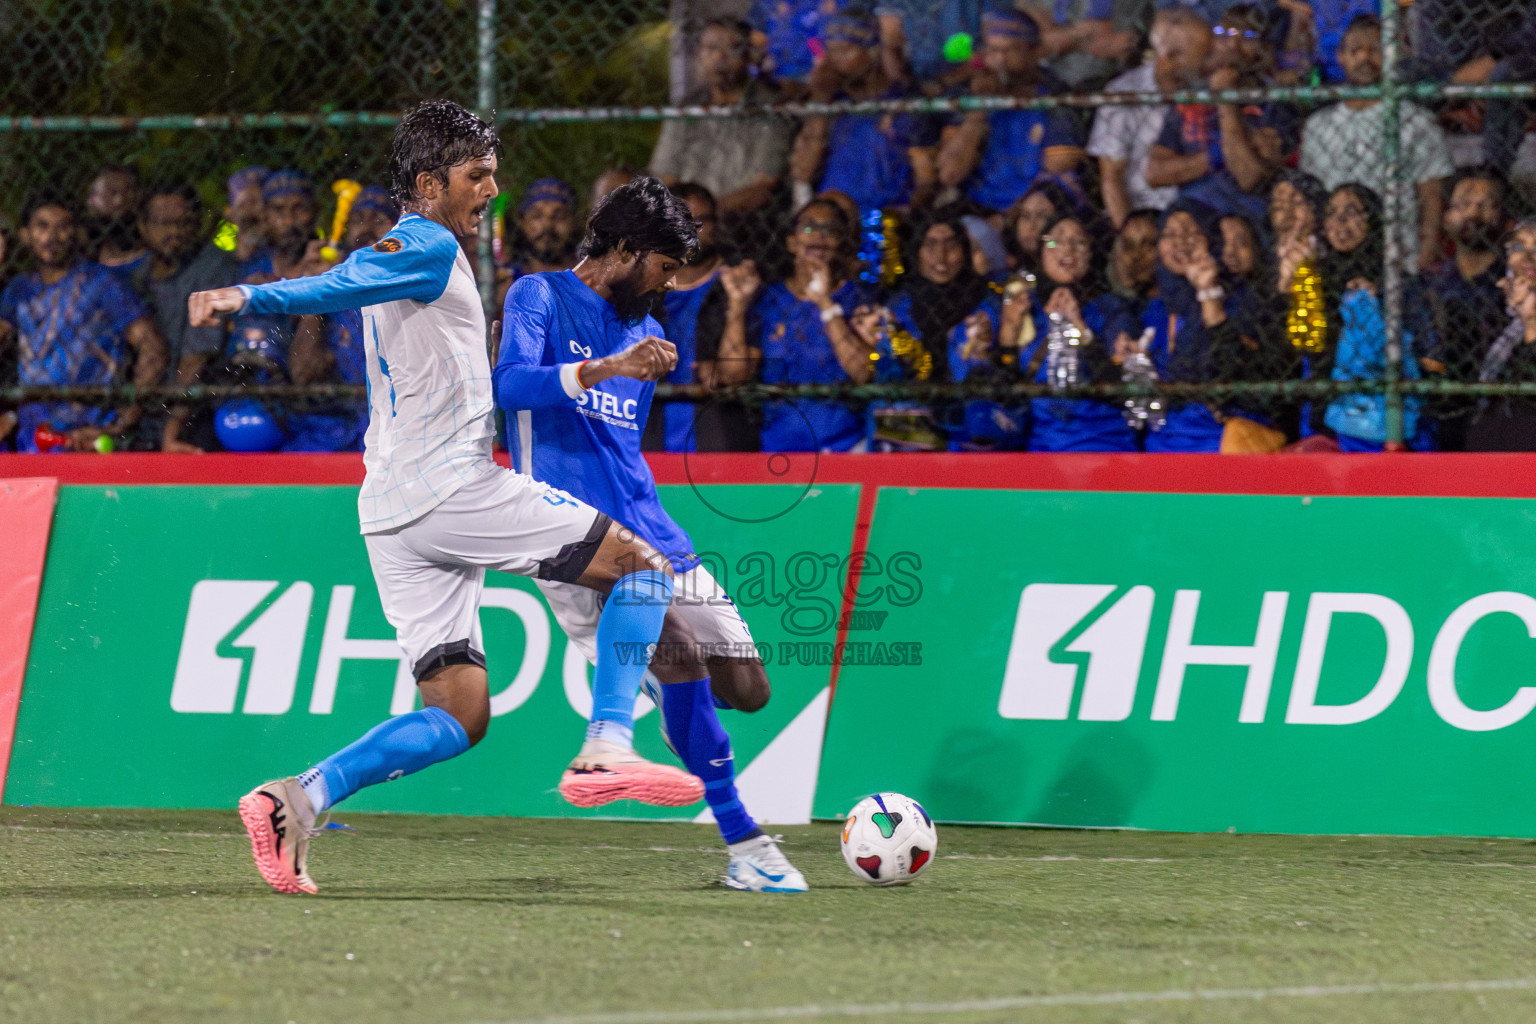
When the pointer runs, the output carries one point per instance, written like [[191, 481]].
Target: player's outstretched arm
[[406, 264]]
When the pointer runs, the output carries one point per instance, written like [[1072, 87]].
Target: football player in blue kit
[[575, 423]]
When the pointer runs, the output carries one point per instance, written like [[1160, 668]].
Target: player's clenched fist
[[203, 308], [650, 358]]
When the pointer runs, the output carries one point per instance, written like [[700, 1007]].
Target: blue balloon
[[246, 425]]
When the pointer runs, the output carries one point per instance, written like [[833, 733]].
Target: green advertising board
[[194, 641], [1200, 662]]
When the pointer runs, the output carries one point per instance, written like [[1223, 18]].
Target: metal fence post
[[1392, 215], [486, 107]]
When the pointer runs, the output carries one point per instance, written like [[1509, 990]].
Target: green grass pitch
[[158, 916]]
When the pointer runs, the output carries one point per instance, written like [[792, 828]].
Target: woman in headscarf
[[1295, 306], [808, 334], [1243, 252], [924, 320], [1204, 330], [1070, 290], [1132, 271], [940, 289], [1027, 218], [1351, 269]]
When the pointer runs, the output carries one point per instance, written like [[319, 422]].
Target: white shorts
[[430, 572], [710, 615]]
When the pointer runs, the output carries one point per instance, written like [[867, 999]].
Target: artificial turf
[[158, 916]]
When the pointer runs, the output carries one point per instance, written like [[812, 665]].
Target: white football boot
[[758, 865]]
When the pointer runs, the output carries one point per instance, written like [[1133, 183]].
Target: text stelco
[[1115, 641]]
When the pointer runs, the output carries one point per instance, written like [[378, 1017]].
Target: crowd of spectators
[[1065, 246]]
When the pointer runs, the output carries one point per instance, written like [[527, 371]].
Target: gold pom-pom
[[1307, 323]]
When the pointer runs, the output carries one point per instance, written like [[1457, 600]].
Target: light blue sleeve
[[521, 380], [411, 262]]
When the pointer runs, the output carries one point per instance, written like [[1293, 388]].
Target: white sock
[[611, 732], [313, 784]]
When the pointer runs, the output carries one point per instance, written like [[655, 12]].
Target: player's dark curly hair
[[643, 217], [434, 136]]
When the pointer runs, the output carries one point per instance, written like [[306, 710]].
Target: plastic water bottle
[[1142, 412], [1063, 353]]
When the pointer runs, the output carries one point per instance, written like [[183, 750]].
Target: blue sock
[[400, 746], [695, 733], [630, 623]]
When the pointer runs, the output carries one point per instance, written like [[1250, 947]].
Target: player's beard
[[631, 306]]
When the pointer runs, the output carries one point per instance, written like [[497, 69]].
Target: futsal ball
[[889, 839]]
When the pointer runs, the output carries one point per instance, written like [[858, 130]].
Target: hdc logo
[[1115, 642], [209, 682]]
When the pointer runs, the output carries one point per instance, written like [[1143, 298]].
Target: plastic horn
[[47, 439], [346, 194]]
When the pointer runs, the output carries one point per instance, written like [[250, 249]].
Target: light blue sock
[[400, 746], [629, 625], [701, 743]]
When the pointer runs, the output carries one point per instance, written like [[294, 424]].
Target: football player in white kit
[[436, 511]]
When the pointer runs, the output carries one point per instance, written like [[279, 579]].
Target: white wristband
[[831, 313], [570, 378], [1213, 294]]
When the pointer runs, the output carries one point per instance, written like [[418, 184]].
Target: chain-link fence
[[1178, 233]]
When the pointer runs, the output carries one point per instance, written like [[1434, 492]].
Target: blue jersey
[[792, 28], [927, 25], [1017, 141], [796, 350], [1195, 127], [266, 335], [1081, 424], [69, 333], [335, 426], [133, 268], [683, 307], [867, 154], [583, 441]]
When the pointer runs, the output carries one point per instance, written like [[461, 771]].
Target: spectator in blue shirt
[[330, 352], [670, 426], [1351, 267], [807, 336], [372, 216], [1071, 286], [880, 161], [788, 34], [940, 301], [288, 227], [1225, 155], [1204, 329], [913, 34], [74, 322], [242, 212], [111, 220], [542, 238], [995, 156]]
